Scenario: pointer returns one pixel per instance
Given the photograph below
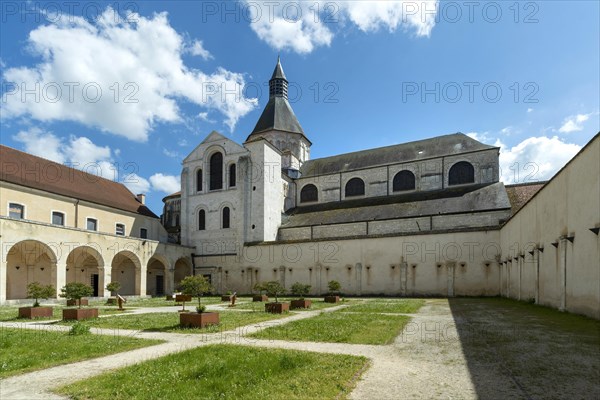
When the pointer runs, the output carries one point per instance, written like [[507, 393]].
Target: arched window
[[201, 220], [309, 193], [199, 180], [216, 171], [461, 172], [226, 217], [404, 180], [232, 177], [355, 187]]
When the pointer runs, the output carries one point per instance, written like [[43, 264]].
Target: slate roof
[[519, 194], [465, 199], [277, 115], [434, 147], [278, 71], [35, 172]]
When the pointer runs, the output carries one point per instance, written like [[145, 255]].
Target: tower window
[[309, 193], [226, 217], [232, 175], [355, 187], [143, 233], [201, 220], [462, 172], [199, 180], [216, 171], [120, 229], [404, 180]]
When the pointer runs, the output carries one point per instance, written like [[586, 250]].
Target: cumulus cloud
[[197, 49], [574, 123], [534, 159], [80, 153], [304, 26], [165, 183], [119, 76]]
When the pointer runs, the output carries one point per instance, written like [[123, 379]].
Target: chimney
[[141, 198]]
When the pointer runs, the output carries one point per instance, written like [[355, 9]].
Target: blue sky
[[521, 75]]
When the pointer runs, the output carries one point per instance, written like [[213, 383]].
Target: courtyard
[[371, 348]]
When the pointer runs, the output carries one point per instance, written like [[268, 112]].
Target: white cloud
[[482, 137], [574, 123], [529, 110], [165, 183], [80, 153], [182, 142], [136, 184], [304, 26], [534, 159], [170, 153], [137, 66], [197, 49]]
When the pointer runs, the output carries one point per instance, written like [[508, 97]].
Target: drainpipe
[[77, 214]]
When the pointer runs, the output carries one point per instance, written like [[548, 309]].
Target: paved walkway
[[400, 370]]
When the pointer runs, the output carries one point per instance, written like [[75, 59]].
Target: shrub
[[196, 286], [79, 329], [259, 287], [75, 291], [300, 290], [37, 291], [200, 309], [334, 287], [273, 288]]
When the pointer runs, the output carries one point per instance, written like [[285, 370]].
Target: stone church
[[416, 219]]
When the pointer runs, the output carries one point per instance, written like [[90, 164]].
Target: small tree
[[274, 288], [37, 291], [300, 289], [114, 287], [196, 286], [259, 287], [334, 287], [75, 291]]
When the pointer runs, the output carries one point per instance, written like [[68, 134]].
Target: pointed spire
[[278, 72]]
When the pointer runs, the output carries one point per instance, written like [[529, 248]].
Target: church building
[[416, 219]]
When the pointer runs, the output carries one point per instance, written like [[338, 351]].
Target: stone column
[[358, 272], [450, 268], [3, 277], [61, 276]]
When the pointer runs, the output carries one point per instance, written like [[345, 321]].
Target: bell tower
[[278, 124]]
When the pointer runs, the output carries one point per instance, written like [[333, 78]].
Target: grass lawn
[[388, 306], [24, 350], [317, 304], [228, 372], [169, 322], [340, 327]]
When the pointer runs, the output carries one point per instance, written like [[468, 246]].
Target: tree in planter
[[301, 290], [196, 286], [114, 287], [274, 288], [37, 291], [75, 291], [259, 287], [334, 287]]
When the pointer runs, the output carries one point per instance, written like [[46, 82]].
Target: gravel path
[[428, 347]]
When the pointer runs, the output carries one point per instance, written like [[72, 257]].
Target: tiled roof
[[35, 172], [519, 194]]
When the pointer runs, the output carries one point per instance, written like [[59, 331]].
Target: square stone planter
[[79, 313], [198, 320], [332, 299], [260, 297], [71, 303], [277, 308], [35, 312], [300, 304]]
